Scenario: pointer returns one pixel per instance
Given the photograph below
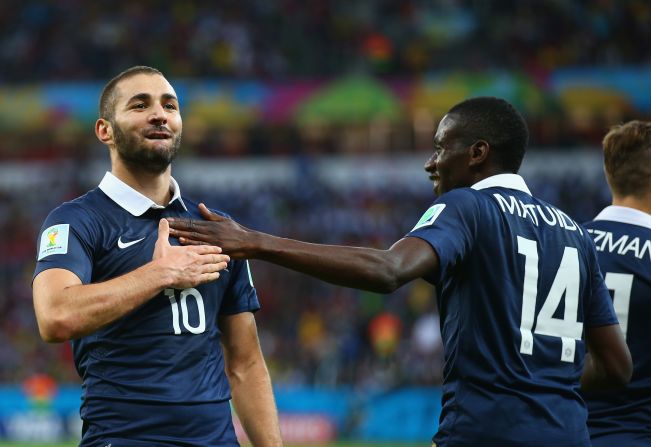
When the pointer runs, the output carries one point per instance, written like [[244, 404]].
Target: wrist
[[254, 245], [160, 275]]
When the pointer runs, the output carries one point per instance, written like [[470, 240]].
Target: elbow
[[55, 329], [624, 369], [619, 379], [386, 286], [622, 375], [619, 373], [237, 373], [50, 336], [389, 282]]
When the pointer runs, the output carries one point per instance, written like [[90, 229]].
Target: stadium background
[[310, 120]]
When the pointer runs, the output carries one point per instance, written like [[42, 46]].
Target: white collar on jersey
[[625, 214], [511, 181], [130, 199]]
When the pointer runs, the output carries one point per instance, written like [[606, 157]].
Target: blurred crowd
[[312, 333], [76, 39], [295, 43]]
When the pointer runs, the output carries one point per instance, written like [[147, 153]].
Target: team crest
[[54, 240], [430, 216]]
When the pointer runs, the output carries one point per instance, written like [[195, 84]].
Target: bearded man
[[162, 335]]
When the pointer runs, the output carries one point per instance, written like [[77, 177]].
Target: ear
[[479, 153], [104, 131]]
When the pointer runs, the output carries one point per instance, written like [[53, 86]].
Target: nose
[[430, 164], [157, 115]]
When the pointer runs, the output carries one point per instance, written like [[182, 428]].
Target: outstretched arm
[[357, 267]]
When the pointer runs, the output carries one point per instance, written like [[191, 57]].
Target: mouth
[[436, 182], [158, 135]]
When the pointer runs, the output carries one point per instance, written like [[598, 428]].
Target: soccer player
[[158, 330], [519, 290], [622, 234]]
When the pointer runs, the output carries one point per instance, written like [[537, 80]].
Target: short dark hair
[[498, 123], [107, 98], [627, 158]]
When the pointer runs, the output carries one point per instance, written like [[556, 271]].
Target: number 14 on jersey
[[566, 283]]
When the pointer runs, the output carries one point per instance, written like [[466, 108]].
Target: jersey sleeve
[[240, 296], [599, 309], [66, 241], [450, 227]]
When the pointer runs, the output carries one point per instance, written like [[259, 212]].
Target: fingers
[[201, 268], [182, 224], [214, 267], [188, 242], [220, 260], [210, 261], [205, 249], [207, 214], [191, 237], [208, 277], [178, 232], [210, 271], [163, 231]]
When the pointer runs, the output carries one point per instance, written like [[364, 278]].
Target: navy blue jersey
[[164, 356], [517, 284], [623, 239]]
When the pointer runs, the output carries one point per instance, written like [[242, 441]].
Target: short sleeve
[[240, 296], [599, 309], [65, 241], [450, 227]]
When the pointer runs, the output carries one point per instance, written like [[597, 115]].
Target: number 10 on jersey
[[566, 282], [184, 313]]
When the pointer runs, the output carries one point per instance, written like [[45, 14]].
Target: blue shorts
[[118, 423], [622, 439]]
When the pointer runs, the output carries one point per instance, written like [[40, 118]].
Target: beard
[[137, 155]]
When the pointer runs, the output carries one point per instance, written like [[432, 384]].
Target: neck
[[488, 171], [156, 187], [639, 203]]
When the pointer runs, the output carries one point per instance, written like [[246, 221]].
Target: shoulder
[[458, 204], [193, 208], [82, 207], [462, 200], [81, 213], [461, 197]]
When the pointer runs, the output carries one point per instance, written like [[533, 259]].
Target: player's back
[[623, 240], [516, 286]]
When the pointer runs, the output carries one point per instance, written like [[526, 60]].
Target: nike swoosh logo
[[123, 245]]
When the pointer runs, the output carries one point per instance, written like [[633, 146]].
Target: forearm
[[592, 377], [78, 310], [371, 269], [254, 402], [608, 363], [595, 376], [356, 267]]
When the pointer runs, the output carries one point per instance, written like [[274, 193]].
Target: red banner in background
[[298, 428]]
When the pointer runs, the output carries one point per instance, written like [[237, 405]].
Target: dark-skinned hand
[[217, 230]]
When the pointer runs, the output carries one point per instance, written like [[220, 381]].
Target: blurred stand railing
[[49, 413]]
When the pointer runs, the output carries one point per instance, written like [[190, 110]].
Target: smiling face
[[147, 122], [449, 165]]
